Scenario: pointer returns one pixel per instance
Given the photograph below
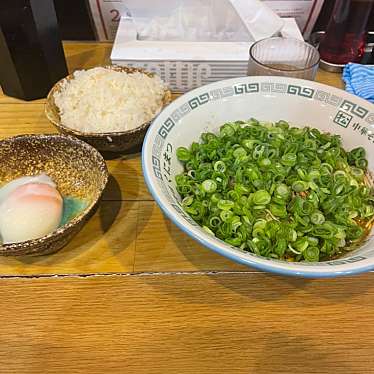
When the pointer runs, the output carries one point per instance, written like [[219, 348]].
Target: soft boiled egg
[[30, 208]]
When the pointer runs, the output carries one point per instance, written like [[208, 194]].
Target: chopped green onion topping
[[261, 197], [317, 218], [209, 186], [277, 191], [183, 154]]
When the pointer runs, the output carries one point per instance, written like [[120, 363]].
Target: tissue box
[[186, 65]]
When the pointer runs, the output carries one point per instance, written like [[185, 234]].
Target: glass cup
[[285, 57]]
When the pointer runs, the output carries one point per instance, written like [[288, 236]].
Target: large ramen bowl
[[302, 103]]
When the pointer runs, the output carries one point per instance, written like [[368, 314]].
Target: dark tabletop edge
[[131, 274]]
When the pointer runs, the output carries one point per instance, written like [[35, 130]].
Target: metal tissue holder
[[367, 59]]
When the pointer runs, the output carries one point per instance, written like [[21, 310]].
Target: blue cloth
[[359, 80]]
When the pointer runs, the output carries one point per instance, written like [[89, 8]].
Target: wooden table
[[133, 294]]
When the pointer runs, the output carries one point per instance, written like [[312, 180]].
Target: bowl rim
[[261, 263], [48, 106], [76, 220]]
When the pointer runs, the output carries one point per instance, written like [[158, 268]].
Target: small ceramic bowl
[[106, 142], [300, 102], [78, 170]]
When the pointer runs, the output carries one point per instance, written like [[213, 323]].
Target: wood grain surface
[[172, 306], [129, 232], [187, 323]]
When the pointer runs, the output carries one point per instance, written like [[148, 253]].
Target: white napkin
[[261, 21], [203, 20]]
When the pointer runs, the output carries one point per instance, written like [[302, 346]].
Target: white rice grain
[[102, 100]]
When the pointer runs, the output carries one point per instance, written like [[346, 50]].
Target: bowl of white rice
[[108, 107]]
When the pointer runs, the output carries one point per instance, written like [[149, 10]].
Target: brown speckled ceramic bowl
[[78, 170], [106, 142]]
